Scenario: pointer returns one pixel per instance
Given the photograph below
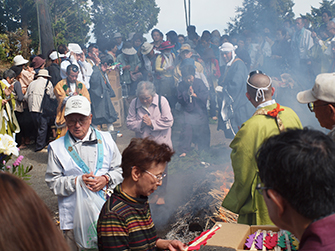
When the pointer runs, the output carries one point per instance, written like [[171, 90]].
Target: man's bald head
[[259, 81]]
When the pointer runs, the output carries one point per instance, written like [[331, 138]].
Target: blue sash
[[75, 156]]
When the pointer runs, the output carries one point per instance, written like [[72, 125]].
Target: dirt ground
[[39, 161]]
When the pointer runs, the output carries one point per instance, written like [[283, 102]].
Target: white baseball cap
[[54, 55], [75, 48], [323, 89], [77, 104], [19, 60]]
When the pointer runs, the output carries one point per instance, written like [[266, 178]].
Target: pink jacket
[[162, 121]]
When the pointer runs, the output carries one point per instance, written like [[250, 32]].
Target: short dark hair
[[187, 70], [143, 153], [9, 74], [17, 69], [156, 30], [72, 67], [91, 46], [62, 48], [300, 166]]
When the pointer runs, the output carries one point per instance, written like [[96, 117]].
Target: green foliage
[[70, 21], [256, 15], [110, 16], [315, 17], [21, 171]]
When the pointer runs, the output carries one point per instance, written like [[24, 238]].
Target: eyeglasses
[[260, 189], [312, 106], [72, 122], [159, 177]]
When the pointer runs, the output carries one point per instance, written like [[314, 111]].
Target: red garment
[[319, 235]]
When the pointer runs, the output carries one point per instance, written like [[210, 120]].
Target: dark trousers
[[41, 123], [212, 102], [198, 134]]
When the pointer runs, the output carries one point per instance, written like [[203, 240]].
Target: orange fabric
[[274, 112], [60, 94]]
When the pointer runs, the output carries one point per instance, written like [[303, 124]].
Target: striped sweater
[[125, 223]]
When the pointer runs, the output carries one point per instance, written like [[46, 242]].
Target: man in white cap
[[234, 108], [321, 100], [65, 89], [54, 68], [269, 119], [84, 152], [77, 57], [34, 97]]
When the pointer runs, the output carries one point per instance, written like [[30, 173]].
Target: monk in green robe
[[269, 119]]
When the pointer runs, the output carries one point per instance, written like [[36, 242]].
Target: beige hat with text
[[77, 104]]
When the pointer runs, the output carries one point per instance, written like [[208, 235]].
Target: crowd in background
[[290, 52]]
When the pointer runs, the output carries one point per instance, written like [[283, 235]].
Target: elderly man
[[77, 57], [269, 119], [54, 68], [34, 97], [321, 101], [148, 58], [85, 152], [297, 173], [130, 69], [65, 89], [234, 108]]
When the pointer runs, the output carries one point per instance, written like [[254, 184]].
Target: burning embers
[[203, 209]]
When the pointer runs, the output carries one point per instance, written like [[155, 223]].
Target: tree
[[315, 17], [70, 20], [110, 16], [255, 15]]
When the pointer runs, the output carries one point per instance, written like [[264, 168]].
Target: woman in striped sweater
[[125, 221]]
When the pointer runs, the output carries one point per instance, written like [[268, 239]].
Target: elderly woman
[[125, 221], [150, 116]]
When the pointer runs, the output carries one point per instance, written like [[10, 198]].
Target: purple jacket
[[319, 235], [162, 121]]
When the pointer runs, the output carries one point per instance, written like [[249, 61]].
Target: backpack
[[48, 105]]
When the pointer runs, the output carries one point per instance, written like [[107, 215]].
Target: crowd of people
[[221, 64], [61, 103]]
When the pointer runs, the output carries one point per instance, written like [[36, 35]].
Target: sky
[[209, 14]]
